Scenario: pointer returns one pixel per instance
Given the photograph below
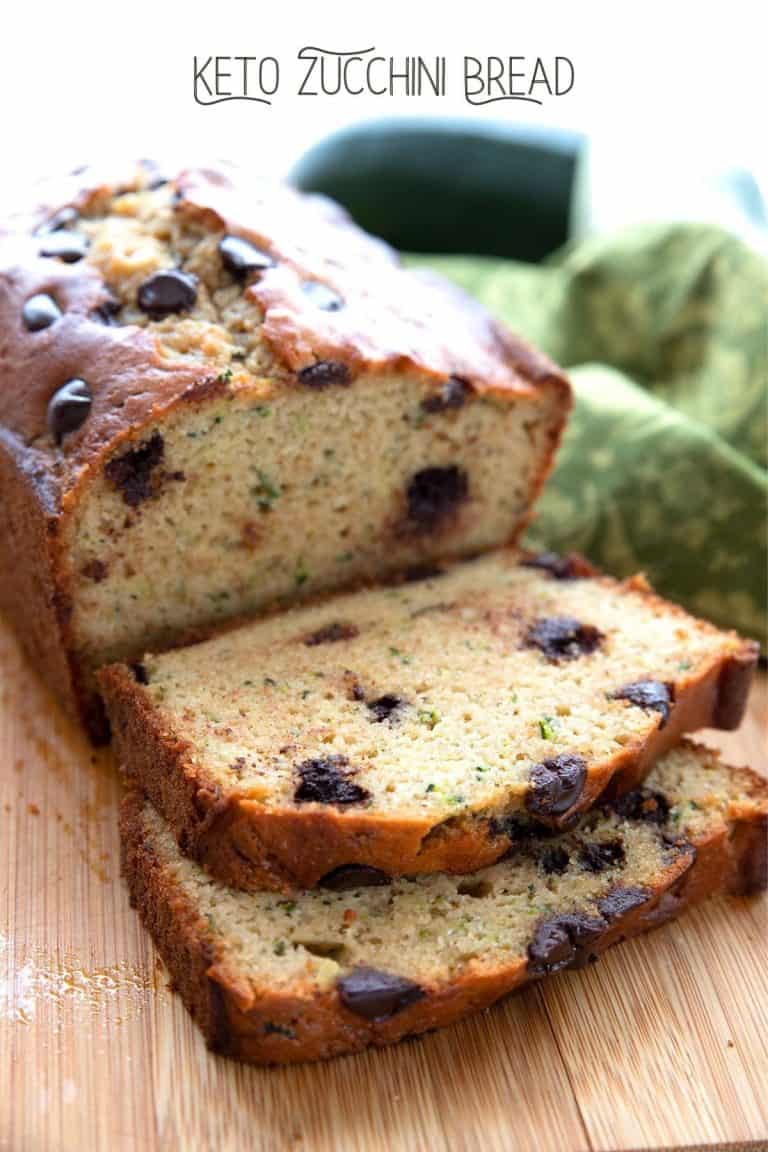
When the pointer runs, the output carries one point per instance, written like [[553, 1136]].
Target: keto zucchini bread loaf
[[368, 961], [215, 394], [416, 728]]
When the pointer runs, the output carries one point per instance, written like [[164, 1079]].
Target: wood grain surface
[[660, 1045]]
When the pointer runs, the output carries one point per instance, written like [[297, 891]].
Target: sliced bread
[[365, 961], [417, 727]]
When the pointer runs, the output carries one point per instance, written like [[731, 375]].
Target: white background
[[82, 81]]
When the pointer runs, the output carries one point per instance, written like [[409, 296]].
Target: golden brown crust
[[263, 1027], [245, 845], [394, 322]]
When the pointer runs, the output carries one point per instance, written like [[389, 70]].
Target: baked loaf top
[[144, 291], [365, 962], [413, 727]]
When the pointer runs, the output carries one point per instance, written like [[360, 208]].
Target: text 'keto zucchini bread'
[[368, 962], [215, 394], [416, 727]]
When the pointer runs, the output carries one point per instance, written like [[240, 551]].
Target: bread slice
[[364, 962], [216, 393], [412, 728]]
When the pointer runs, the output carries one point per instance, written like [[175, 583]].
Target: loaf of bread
[[416, 727], [368, 961], [216, 394]]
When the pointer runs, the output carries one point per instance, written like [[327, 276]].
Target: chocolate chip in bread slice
[[421, 726]]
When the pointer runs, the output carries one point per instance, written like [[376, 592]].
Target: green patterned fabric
[[664, 331]]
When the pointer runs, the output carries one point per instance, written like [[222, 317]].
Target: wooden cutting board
[[662, 1044]]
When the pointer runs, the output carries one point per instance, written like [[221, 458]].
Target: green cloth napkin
[[664, 330]]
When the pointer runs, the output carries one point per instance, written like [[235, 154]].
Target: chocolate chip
[[453, 394], [240, 257], [564, 942], [554, 860], [68, 408], [642, 804], [351, 876], [131, 473], [322, 296], [69, 247], [166, 293], [331, 633], [376, 995], [569, 567], [385, 708], [434, 494], [140, 674], [618, 901], [326, 780], [648, 694], [40, 312], [562, 637], [61, 219], [107, 312], [324, 374], [599, 855], [555, 785]]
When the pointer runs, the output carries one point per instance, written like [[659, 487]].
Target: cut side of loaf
[[363, 962], [417, 727], [216, 395]]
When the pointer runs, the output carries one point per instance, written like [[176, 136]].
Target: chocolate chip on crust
[[564, 942], [326, 780], [562, 637], [555, 785], [331, 633], [40, 312], [322, 296], [619, 901], [385, 707], [166, 293], [351, 876], [649, 694], [324, 374], [69, 247], [107, 312], [598, 855], [453, 394], [569, 567], [433, 495], [642, 804], [140, 674], [240, 257], [131, 473], [376, 995], [68, 408]]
